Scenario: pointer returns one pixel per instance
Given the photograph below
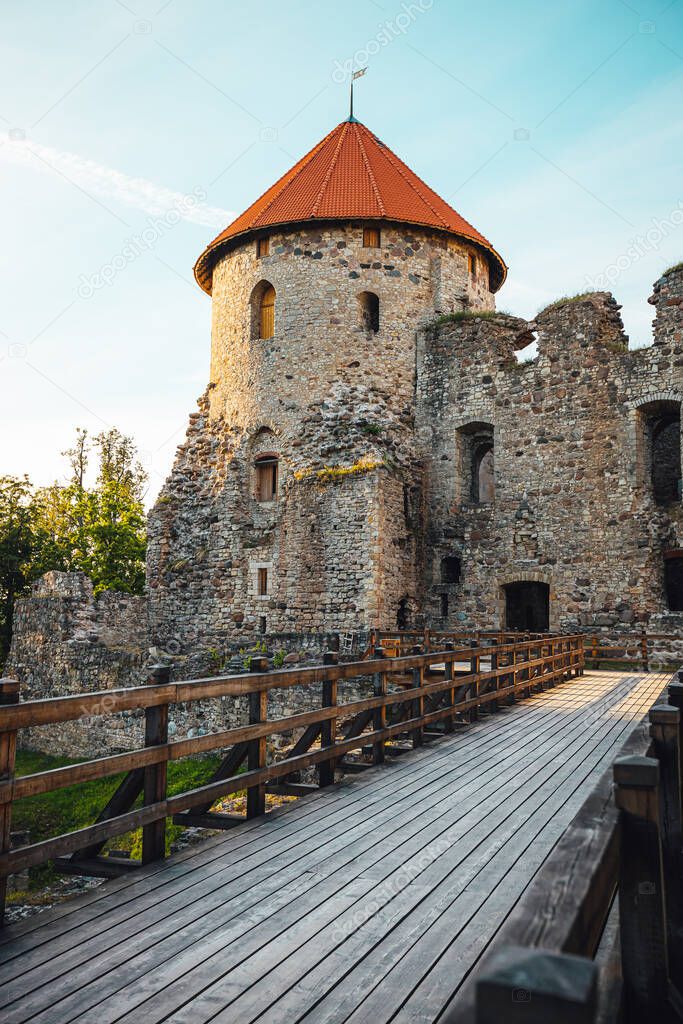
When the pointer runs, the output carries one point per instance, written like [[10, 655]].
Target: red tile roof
[[350, 175]]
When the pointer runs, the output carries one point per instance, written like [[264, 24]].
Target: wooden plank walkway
[[368, 901]]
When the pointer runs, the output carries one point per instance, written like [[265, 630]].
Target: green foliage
[[672, 270], [98, 529], [566, 300], [466, 314], [64, 810], [278, 659], [247, 654]]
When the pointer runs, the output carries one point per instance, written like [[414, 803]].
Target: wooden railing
[[649, 651], [566, 952], [411, 696], [397, 641]]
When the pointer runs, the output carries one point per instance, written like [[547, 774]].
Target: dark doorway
[[673, 581], [527, 607]]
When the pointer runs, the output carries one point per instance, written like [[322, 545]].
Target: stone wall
[[574, 504]]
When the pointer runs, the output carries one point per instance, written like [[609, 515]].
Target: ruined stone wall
[[574, 504], [334, 403]]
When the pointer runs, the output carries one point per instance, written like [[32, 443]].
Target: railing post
[[448, 725], [417, 704], [665, 721], [526, 985], [494, 668], [156, 734], [256, 756], [676, 701], [644, 653], [641, 891], [328, 729], [379, 715], [9, 694], [474, 670]]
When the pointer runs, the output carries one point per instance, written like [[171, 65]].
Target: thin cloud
[[111, 184]]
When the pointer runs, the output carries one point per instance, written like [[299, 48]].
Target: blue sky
[[555, 128]]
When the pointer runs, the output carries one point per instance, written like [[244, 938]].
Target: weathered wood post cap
[[664, 714], [636, 771], [330, 658], [523, 985], [9, 690], [158, 675], [259, 664], [676, 691]]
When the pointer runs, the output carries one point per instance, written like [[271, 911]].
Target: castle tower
[[292, 506]]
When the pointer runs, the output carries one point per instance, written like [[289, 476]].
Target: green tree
[[17, 545], [97, 529]]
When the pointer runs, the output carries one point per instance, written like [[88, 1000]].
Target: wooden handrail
[[389, 713]]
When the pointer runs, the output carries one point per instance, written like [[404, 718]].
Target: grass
[[51, 814], [671, 270], [466, 314], [329, 473], [564, 300]]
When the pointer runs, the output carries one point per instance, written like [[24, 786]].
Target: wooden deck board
[[369, 900]]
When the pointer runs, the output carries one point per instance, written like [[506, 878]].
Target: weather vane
[[354, 76]]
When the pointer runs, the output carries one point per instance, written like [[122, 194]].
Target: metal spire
[[354, 76]]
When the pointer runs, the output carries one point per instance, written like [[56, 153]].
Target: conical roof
[[349, 175]]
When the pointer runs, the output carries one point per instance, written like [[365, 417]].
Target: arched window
[[263, 311], [266, 477], [660, 449], [475, 481], [369, 311], [267, 319], [482, 475]]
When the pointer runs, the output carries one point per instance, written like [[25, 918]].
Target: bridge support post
[[379, 715], [417, 704], [448, 725], [642, 901], [523, 985], [474, 669], [665, 721], [256, 756], [328, 729], [154, 788], [9, 694]]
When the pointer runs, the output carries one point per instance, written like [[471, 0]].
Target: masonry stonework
[[383, 459]]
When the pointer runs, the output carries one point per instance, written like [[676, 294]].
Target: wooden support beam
[[256, 757], [641, 891], [155, 775], [9, 694], [536, 986], [417, 710], [379, 719], [328, 729], [665, 721]]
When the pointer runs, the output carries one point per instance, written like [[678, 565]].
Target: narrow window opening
[[371, 238], [472, 264], [266, 470], [402, 614], [262, 582], [444, 606], [267, 314], [482, 475], [262, 624], [369, 311], [451, 568], [673, 582], [475, 464], [262, 247]]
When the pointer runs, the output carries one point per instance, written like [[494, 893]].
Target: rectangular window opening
[[472, 264], [266, 479], [262, 582], [262, 247]]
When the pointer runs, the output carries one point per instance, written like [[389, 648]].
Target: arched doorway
[[527, 606]]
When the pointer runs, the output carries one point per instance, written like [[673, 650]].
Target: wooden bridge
[[381, 898]]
